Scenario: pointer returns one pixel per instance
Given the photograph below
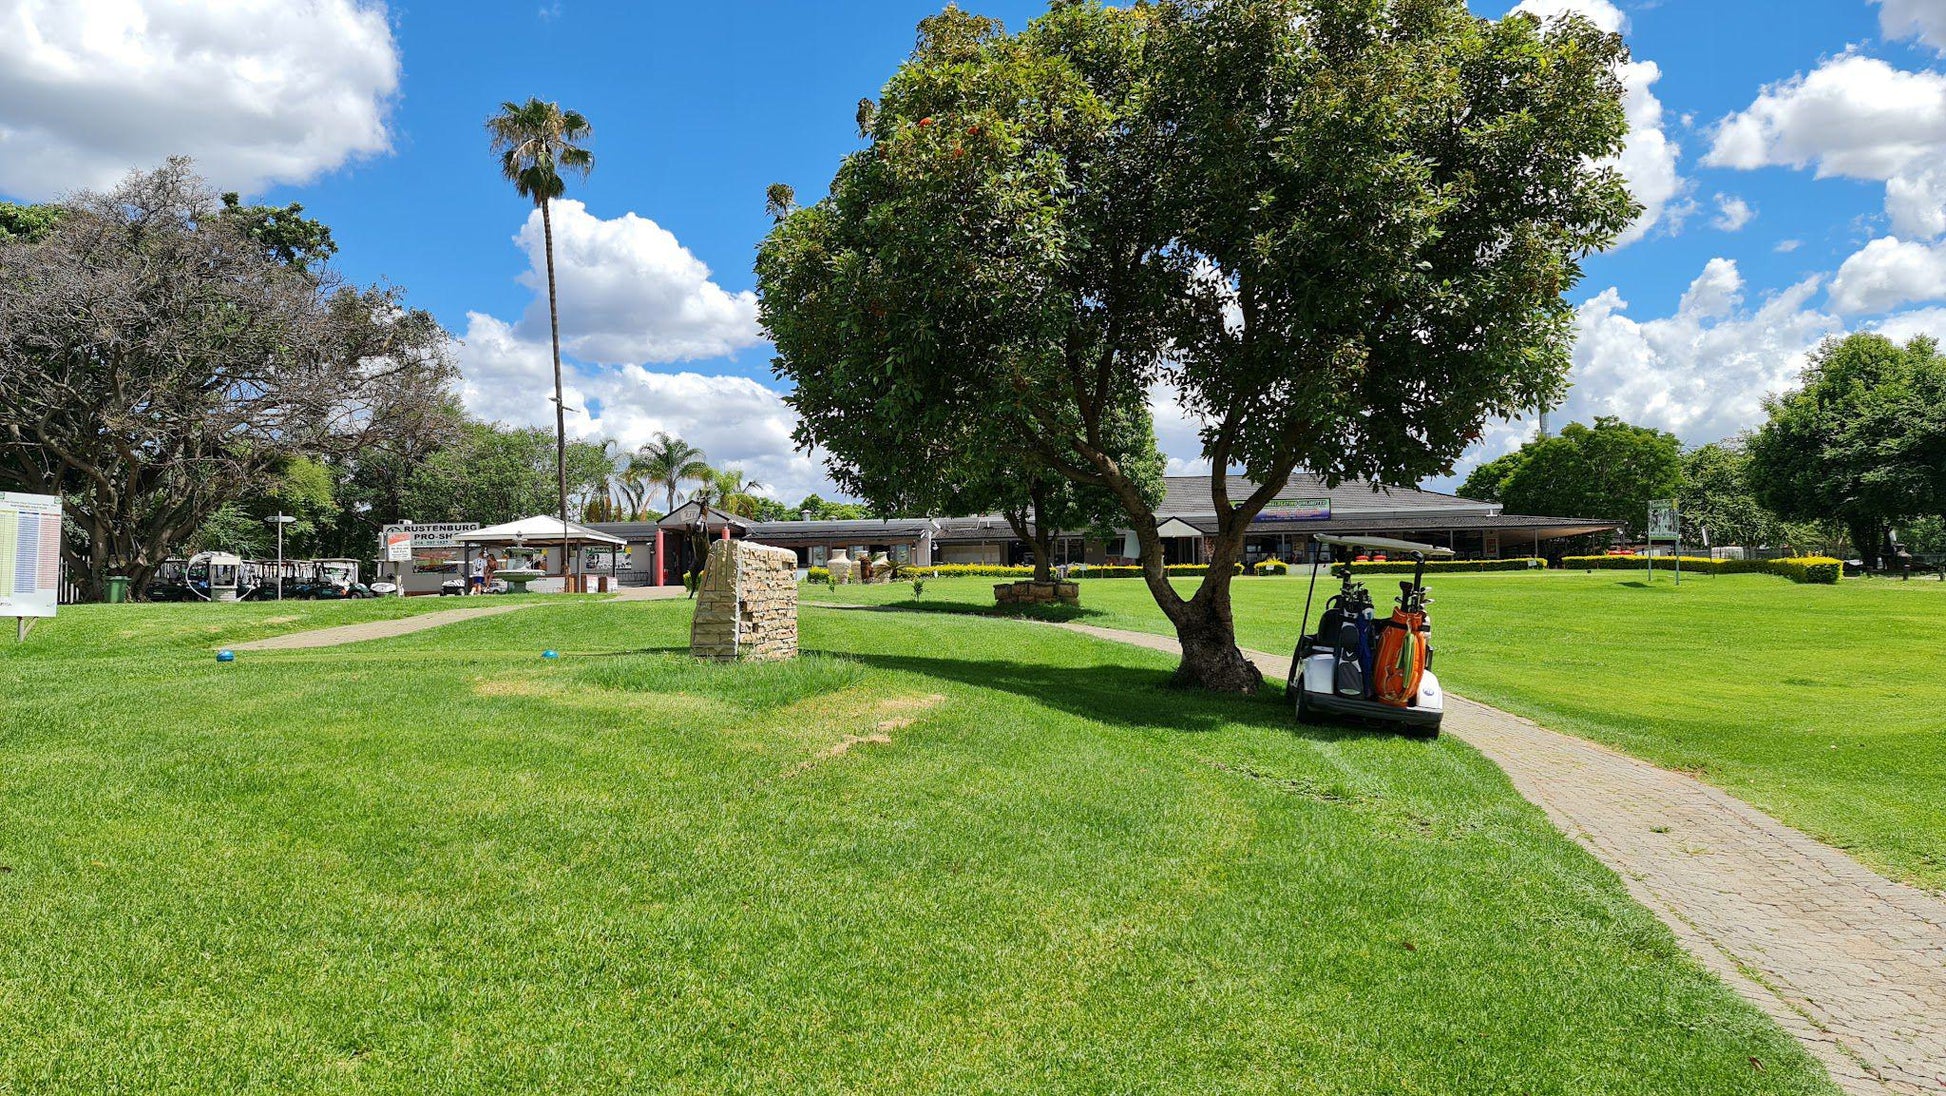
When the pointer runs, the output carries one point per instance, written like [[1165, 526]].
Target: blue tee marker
[[226, 656], [550, 654]]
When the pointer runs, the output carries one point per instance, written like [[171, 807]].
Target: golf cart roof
[[1386, 543]]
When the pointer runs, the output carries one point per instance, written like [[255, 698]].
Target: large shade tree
[[1611, 470], [1863, 441], [1338, 231], [161, 358], [538, 143]]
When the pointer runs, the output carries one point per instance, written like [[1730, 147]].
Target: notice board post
[[30, 558], [1665, 524]]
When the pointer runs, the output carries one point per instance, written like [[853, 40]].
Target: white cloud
[[1177, 434], [1649, 160], [1921, 19], [1732, 213], [736, 421], [630, 292], [1855, 117], [1785, 247], [1701, 373], [258, 91], [1601, 13], [1887, 273], [1922, 321]]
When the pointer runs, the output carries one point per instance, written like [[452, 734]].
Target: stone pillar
[[746, 605]]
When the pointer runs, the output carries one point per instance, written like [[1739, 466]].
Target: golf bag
[[1401, 658], [1347, 627]]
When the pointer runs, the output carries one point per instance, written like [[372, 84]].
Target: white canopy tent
[[1167, 529], [540, 533]]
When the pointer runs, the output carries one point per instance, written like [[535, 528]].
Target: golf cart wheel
[[1305, 713], [1428, 732]]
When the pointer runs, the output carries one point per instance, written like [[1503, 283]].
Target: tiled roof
[[1189, 497]]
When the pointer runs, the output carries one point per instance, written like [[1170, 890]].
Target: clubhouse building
[[658, 552]]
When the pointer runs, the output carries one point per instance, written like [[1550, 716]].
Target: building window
[[819, 553]]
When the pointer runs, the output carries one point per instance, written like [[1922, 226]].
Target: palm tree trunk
[[560, 402]]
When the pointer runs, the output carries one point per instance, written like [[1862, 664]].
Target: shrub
[[1272, 567], [1448, 566], [968, 570], [1136, 572], [818, 574], [1816, 570]]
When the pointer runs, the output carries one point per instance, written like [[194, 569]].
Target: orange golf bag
[[1401, 658]]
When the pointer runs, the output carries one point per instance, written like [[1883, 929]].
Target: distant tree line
[[1853, 457]]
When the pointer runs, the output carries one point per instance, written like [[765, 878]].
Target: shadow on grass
[[968, 608], [1128, 695]]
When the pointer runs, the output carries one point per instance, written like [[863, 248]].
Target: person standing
[[492, 565], [477, 583]]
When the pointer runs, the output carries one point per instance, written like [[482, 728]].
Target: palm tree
[[666, 462], [732, 492], [536, 141]]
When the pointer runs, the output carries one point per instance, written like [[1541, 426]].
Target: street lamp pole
[[280, 520]]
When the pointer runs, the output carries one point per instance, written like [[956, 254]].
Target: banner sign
[[1663, 521], [397, 544], [433, 534], [30, 554], [1296, 510]]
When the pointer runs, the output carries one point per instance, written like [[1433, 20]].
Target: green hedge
[[1272, 567], [1448, 566], [1817, 570], [1174, 569], [966, 570], [819, 575]]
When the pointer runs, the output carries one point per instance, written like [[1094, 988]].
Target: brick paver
[[375, 629], [1850, 962]]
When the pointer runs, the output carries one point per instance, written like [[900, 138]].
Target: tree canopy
[[1336, 231], [1610, 471], [1863, 441], [159, 361]]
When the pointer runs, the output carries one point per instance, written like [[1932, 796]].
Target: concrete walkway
[[1850, 962], [376, 629]]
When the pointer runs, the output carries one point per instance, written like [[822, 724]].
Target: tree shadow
[[1130, 695], [1053, 612]]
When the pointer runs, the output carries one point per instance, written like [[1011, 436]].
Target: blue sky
[[371, 116]]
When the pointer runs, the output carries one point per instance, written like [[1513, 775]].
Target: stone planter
[[1037, 593]]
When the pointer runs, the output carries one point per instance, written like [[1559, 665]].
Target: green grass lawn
[[1823, 705], [941, 854]]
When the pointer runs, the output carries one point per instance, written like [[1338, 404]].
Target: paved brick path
[[1851, 963], [375, 629]]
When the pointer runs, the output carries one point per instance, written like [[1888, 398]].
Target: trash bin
[[117, 589]]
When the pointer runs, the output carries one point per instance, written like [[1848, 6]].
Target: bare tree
[[157, 362]]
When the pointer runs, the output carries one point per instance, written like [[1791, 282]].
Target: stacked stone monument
[[746, 605]]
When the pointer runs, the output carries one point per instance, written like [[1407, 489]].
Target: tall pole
[[560, 401], [280, 556]]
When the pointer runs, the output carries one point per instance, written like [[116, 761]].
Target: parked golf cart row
[[220, 576]]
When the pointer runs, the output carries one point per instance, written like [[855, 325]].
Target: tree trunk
[[1867, 538], [1210, 656], [560, 402]]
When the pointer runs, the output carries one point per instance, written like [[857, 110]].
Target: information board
[[30, 554], [395, 545], [432, 534], [1296, 510], [1663, 520]]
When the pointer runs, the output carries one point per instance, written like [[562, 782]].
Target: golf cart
[[170, 582], [1358, 665], [338, 581]]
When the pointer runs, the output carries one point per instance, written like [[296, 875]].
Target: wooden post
[[658, 559]]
